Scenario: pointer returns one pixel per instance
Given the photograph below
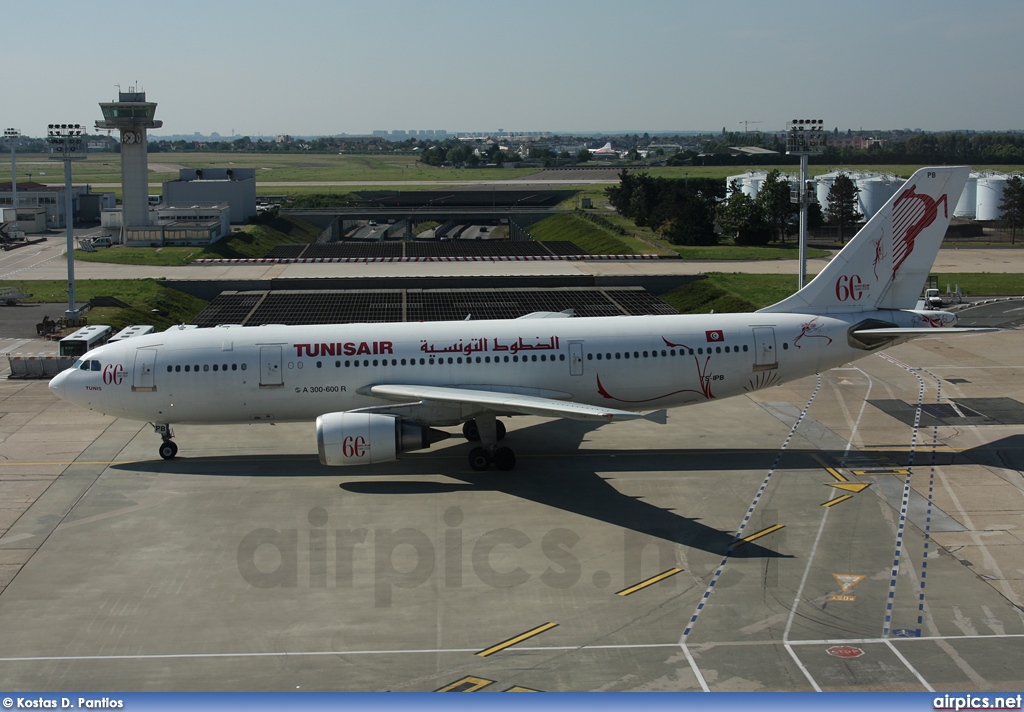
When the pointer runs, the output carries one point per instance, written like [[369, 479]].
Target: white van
[[102, 242]]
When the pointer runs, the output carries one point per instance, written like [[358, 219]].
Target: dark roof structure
[[348, 306]]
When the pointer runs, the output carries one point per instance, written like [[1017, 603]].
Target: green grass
[[738, 292], [704, 296], [585, 234], [152, 303], [983, 284], [299, 167], [787, 251]]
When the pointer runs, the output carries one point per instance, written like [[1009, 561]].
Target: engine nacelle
[[369, 438]]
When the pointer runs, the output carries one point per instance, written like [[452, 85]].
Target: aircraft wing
[[503, 402]]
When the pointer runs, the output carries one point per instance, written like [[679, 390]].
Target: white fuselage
[[234, 374]]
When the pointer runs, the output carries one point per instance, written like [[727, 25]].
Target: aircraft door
[[575, 358], [145, 365], [271, 375], [765, 357]]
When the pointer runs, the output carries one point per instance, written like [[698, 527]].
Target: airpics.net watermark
[[407, 558]]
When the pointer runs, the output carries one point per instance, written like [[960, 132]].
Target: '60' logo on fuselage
[[850, 288], [113, 373]]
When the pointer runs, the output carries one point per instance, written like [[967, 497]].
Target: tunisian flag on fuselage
[[714, 335]]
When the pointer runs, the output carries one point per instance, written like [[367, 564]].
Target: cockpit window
[[79, 364], [95, 365]]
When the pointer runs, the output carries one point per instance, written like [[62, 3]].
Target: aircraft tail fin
[[886, 264]]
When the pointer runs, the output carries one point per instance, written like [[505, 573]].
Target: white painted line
[[536, 649], [696, 670], [803, 581], [803, 669], [910, 667]]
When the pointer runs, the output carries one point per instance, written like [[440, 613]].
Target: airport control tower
[[131, 114]]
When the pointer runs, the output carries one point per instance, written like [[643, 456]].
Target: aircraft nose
[[57, 384]]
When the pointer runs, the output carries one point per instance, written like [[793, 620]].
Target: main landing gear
[[168, 449], [488, 430]]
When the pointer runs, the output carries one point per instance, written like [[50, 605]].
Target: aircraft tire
[[479, 459], [168, 450], [504, 458], [470, 430], [499, 428]]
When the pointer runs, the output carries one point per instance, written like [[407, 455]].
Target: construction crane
[[746, 125]]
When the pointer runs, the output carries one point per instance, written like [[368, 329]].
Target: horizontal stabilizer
[[875, 337], [549, 315], [925, 331]]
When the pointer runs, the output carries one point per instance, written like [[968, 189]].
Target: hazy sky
[[352, 66]]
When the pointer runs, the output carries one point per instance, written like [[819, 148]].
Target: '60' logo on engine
[[850, 288], [113, 373], [354, 446]]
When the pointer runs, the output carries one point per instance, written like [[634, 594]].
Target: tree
[[1012, 206], [842, 203], [583, 156], [773, 199], [741, 217]]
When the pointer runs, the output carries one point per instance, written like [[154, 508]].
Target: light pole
[[67, 138], [12, 138], [804, 137]]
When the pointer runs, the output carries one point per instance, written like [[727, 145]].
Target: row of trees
[[1012, 206], [681, 211], [685, 211]]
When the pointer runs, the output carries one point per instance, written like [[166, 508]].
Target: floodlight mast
[[67, 138], [803, 138], [12, 138]]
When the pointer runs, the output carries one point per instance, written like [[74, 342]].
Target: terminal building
[[41, 207], [235, 187]]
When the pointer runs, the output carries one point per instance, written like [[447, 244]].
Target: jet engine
[[369, 438]]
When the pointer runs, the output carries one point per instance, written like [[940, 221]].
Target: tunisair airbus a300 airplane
[[376, 390]]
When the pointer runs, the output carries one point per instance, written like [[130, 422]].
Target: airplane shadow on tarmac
[[576, 486]]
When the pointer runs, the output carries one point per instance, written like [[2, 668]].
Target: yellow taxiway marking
[[520, 688], [757, 535], [851, 486], [466, 684], [881, 471], [517, 639], [837, 500], [848, 581], [830, 470], [649, 582]]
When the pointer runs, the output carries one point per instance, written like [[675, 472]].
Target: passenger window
[[599, 357], [177, 369], [534, 359], [244, 367], [187, 369], [718, 349], [590, 357], [169, 369], [206, 367], [214, 367], [700, 351], [403, 361], [785, 345], [627, 354], [374, 362], [234, 367], [673, 352]]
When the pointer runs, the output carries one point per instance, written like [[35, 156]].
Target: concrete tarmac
[[246, 565]]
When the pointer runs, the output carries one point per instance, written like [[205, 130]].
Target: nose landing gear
[[168, 449]]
